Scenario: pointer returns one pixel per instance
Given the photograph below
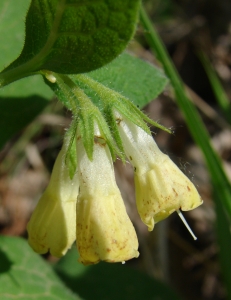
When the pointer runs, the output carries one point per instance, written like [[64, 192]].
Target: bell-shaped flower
[[52, 226], [104, 230], [161, 188]]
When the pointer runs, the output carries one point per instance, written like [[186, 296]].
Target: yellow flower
[[52, 224], [104, 230], [161, 188]]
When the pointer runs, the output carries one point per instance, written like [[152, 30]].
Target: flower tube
[[52, 224], [161, 188], [104, 230]]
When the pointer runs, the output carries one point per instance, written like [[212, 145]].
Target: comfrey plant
[[82, 201], [85, 204]]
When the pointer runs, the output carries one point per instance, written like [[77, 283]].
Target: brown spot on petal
[[175, 191], [99, 140], [108, 250], [188, 188], [118, 120]]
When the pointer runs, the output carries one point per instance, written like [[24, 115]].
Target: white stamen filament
[[186, 224]]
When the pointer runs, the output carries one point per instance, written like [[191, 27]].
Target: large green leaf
[[110, 281], [73, 36], [25, 275]]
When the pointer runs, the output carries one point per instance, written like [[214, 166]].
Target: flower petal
[[161, 188], [104, 230], [52, 224]]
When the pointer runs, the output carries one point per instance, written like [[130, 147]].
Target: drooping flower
[[88, 206], [104, 230], [52, 224], [161, 188]]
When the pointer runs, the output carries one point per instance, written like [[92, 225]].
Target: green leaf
[[12, 29], [73, 36], [25, 275], [110, 281], [20, 103], [133, 78], [130, 76]]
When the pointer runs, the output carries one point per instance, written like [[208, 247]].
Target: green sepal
[[111, 100], [108, 135], [86, 132], [106, 110], [86, 115], [71, 155], [111, 121]]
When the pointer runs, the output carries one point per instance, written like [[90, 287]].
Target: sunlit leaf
[[25, 275], [75, 36], [12, 29], [134, 78]]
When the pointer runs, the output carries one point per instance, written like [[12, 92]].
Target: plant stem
[[217, 88]]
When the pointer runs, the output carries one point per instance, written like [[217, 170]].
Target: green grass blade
[[217, 88], [220, 182], [224, 241], [193, 120]]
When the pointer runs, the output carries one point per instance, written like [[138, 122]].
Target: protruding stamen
[[186, 224]]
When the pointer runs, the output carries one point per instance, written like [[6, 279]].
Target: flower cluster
[[89, 208], [82, 201]]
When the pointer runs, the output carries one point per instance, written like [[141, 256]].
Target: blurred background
[[197, 35]]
